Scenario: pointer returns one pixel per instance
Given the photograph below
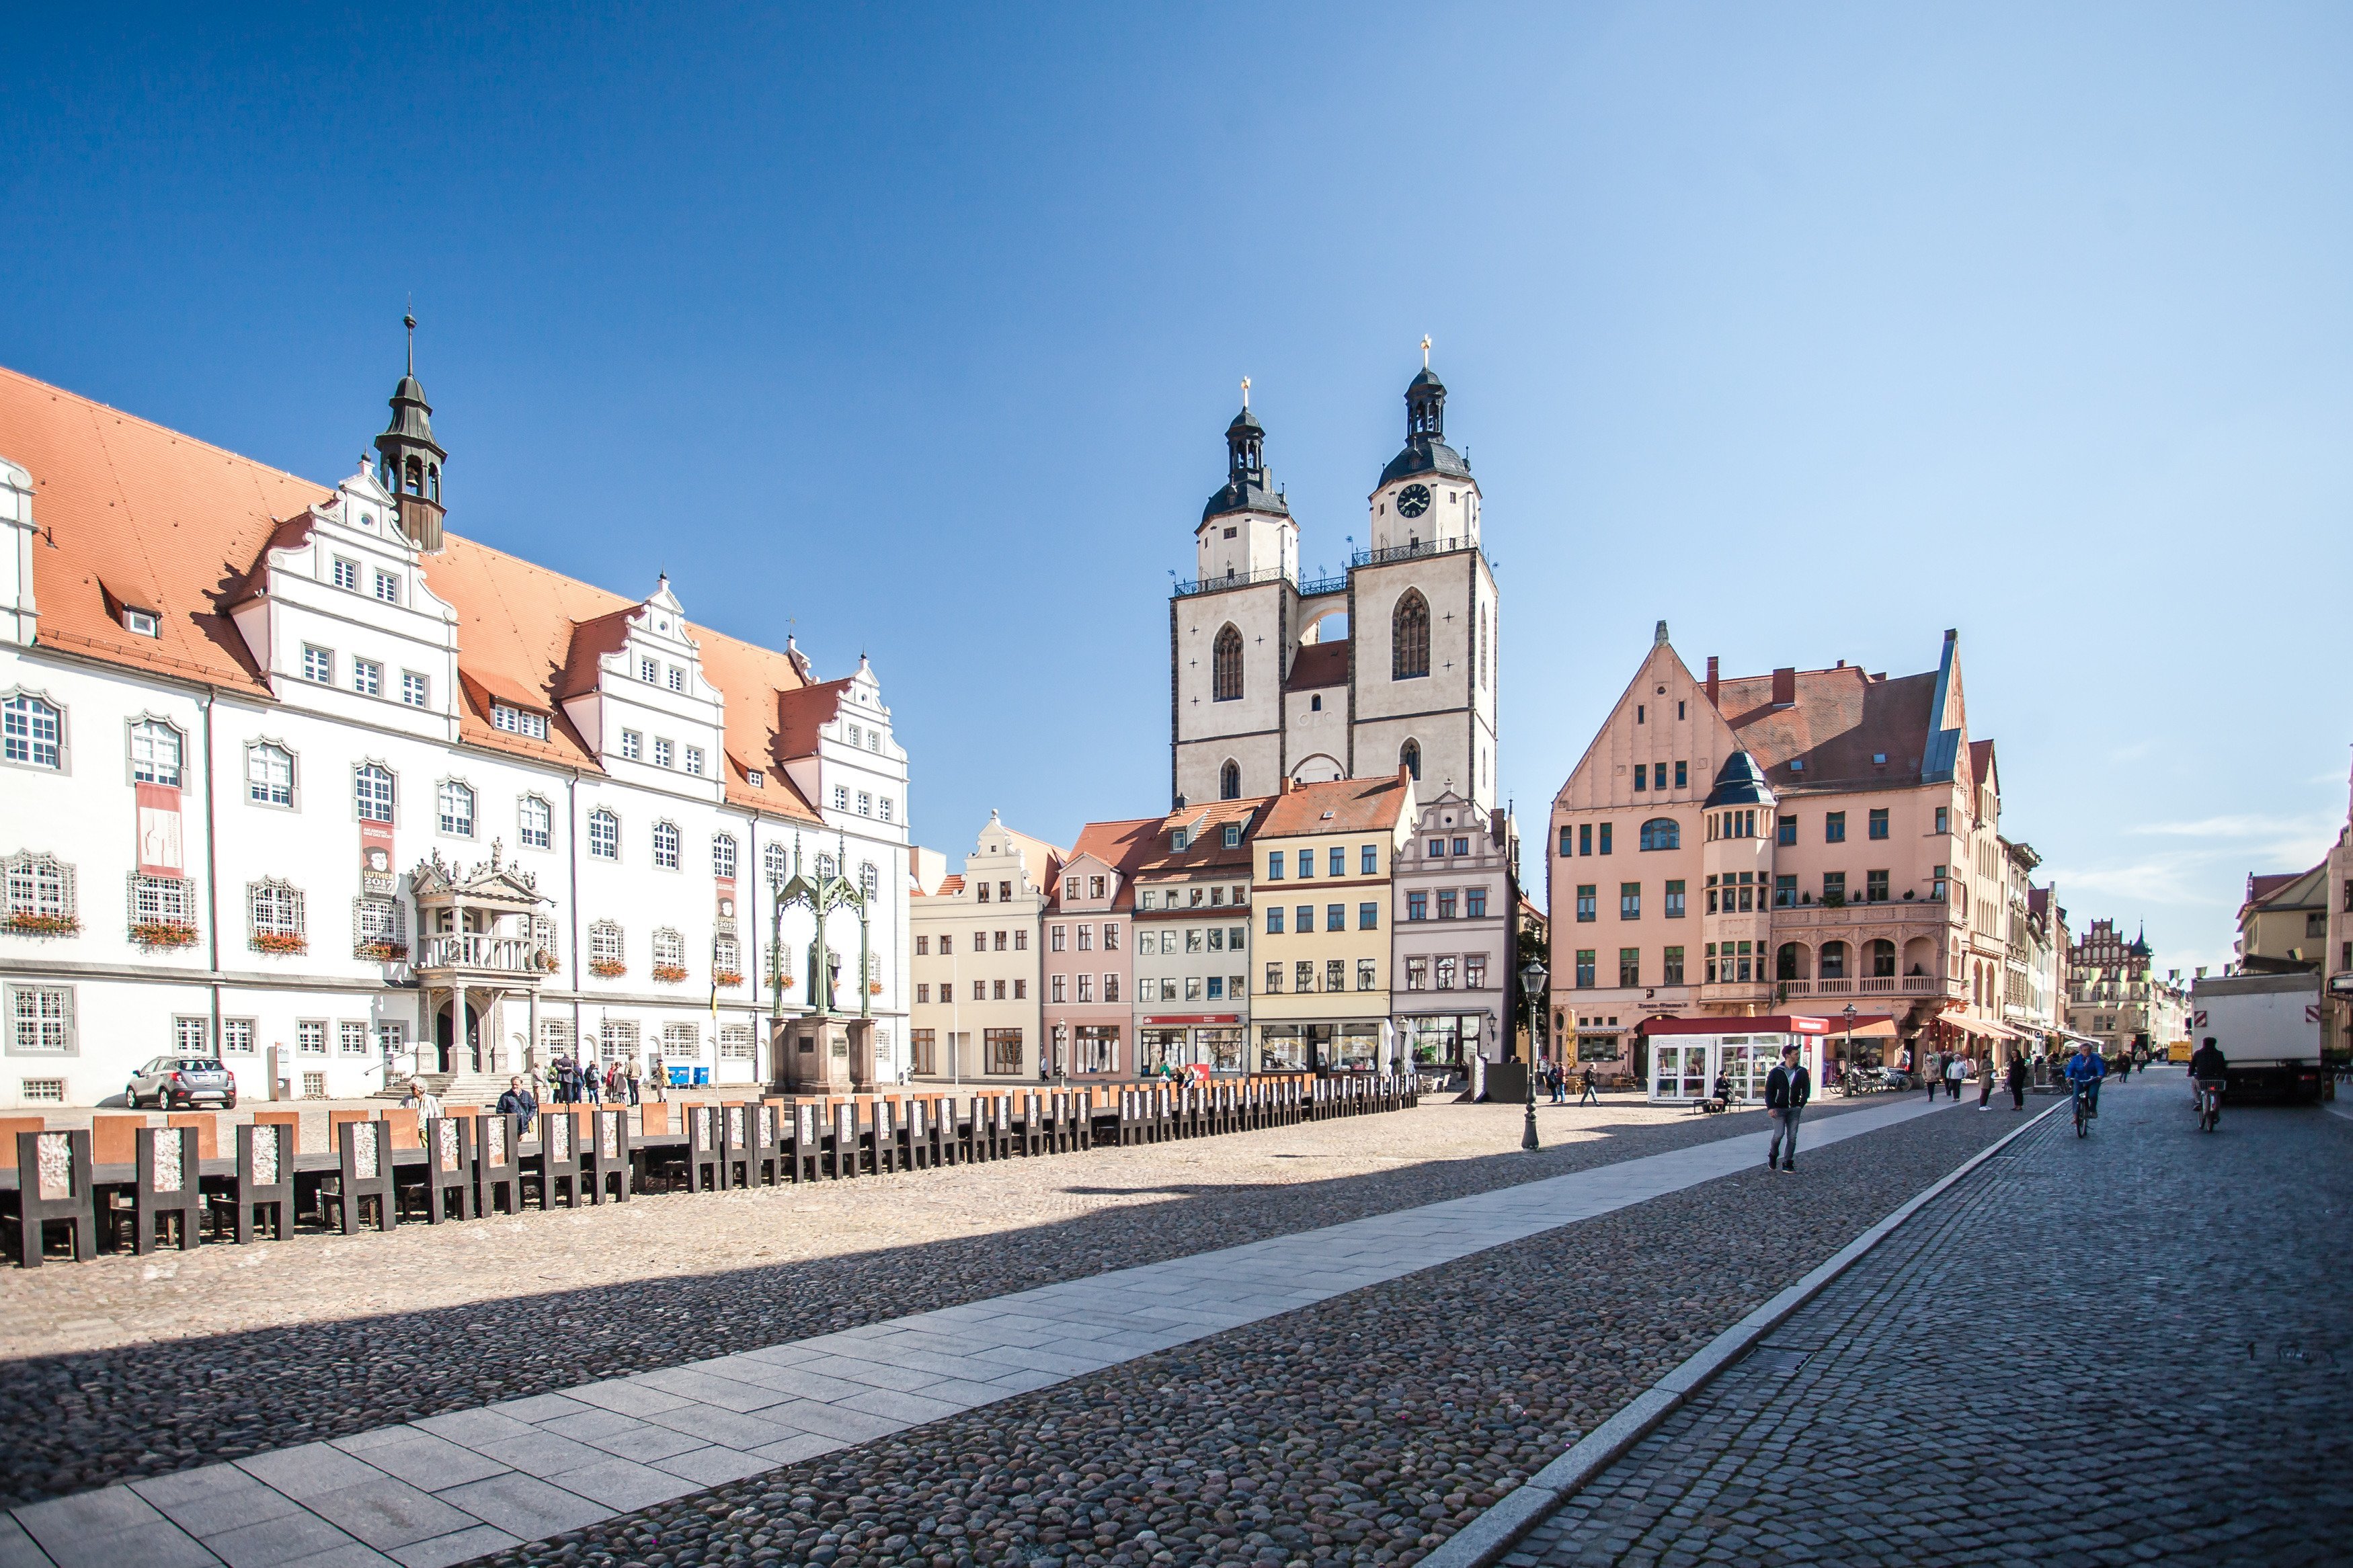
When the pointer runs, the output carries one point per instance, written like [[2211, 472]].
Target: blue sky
[[1813, 330]]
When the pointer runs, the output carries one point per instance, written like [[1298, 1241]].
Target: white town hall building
[[288, 773]]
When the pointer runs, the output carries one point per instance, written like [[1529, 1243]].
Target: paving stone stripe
[[457, 1486]]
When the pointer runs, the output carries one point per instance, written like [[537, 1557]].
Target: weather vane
[[1425, 351], [1246, 393]]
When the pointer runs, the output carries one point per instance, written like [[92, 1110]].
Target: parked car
[[170, 1082]]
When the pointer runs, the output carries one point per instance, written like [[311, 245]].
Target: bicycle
[[2082, 1110], [2209, 1104]]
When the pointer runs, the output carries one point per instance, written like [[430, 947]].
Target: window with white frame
[[865, 804], [633, 745], [841, 798], [772, 863], [722, 855], [617, 1039], [414, 690], [351, 1040], [556, 1038], [41, 892], [310, 1037], [666, 845], [192, 1035], [391, 1039], [378, 927], [154, 752], [516, 721], [694, 761], [649, 670], [662, 752], [605, 941], [873, 739], [726, 958], [885, 804], [40, 1020], [681, 1042], [535, 822], [237, 1036], [162, 907], [854, 733], [32, 732], [670, 949], [347, 574], [367, 677], [456, 810], [387, 588], [318, 664], [371, 791], [677, 678], [603, 835], [268, 774], [141, 622], [870, 880], [734, 1042], [276, 911]]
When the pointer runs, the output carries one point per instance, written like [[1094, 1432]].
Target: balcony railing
[[1413, 552], [1230, 580], [1872, 985], [473, 950]]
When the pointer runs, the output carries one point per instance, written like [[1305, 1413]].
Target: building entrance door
[[447, 1053], [1680, 1070]]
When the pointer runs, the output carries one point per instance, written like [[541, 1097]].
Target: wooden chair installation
[[841, 1154], [53, 1187], [364, 1174], [167, 1196], [765, 1158], [923, 1133], [260, 1194], [738, 1150], [449, 1170], [1030, 1133], [558, 1169], [807, 1148], [608, 1160], [498, 1179], [706, 1161]]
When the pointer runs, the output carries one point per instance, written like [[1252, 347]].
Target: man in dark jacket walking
[[1787, 1089], [2017, 1080], [519, 1102]]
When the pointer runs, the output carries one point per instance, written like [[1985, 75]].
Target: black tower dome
[[1426, 451], [409, 460], [1249, 486]]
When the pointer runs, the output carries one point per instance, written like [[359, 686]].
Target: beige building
[[1801, 842], [2115, 997], [1325, 855], [1192, 919], [977, 1010], [2283, 922]]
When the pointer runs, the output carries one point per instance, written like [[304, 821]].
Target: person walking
[[634, 1081], [1985, 1084], [1589, 1097], [1787, 1089], [519, 1102], [590, 1083], [423, 1100], [2017, 1082], [1955, 1071], [661, 1082]]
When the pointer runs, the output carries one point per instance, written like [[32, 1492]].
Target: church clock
[[1413, 501]]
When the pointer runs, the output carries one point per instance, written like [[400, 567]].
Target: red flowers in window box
[[155, 935], [280, 941], [727, 979], [608, 968], [29, 924], [669, 973], [385, 951]]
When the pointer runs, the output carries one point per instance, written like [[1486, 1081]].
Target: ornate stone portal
[[825, 1050], [481, 941]]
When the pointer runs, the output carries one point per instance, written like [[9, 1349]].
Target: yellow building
[[1323, 858]]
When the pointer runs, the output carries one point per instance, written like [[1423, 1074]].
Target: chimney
[[1712, 682], [1405, 774], [1287, 784], [1785, 686]]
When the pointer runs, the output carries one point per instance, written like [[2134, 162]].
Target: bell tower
[[409, 460]]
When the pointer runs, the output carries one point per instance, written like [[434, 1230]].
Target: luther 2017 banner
[[376, 880], [159, 831]]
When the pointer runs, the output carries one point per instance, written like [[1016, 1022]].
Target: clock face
[[1413, 501]]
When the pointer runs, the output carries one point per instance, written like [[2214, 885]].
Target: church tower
[[408, 462], [1261, 694]]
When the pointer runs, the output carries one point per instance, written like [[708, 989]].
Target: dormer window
[[347, 574], [756, 778], [515, 721], [139, 623], [1233, 834], [854, 733], [648, 671], [1179, 840], [387, 588], [677, 678]]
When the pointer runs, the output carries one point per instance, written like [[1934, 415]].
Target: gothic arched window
[[1226, 666], [1410, 637], [1230, 781], [1410, 757]]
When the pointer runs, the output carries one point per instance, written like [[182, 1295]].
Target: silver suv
[[172, 1081]]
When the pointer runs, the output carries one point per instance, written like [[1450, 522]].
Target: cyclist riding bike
[[2208, 1067], [2084, 1071]]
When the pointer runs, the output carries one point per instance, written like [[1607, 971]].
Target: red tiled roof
[[135, 513], [1209, 851], [1122, 845], [1318, 665], [1357, 806], [1841, 718]]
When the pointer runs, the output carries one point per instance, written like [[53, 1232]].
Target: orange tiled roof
[[1208, 850], [1841, 718], [1358, 806], [1122, 845], [133, 513]]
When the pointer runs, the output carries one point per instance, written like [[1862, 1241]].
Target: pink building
[[1089, 938], [1803, 842]]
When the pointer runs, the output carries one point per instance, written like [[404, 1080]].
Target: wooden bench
[[54, 1187], [364, 1174], [498, 1171]]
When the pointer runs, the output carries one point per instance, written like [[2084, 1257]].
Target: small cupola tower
[[1246, 528], [410, 461]]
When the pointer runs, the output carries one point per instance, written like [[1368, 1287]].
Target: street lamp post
[[1532, 985], [1850, 1042]]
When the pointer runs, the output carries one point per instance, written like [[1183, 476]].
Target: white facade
[[281, 826]]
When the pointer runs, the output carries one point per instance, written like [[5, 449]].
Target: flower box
[[280, 941], [155, 935], [608, 968], [544, 962], [727, 979], [874, 988], [669, 973], [383, 951], [43, 925]]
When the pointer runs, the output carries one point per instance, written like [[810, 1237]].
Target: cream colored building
[[978, 1009], [1323, 858]]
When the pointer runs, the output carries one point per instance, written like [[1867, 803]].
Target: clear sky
[[1813, 330]]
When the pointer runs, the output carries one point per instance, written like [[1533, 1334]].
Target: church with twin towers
[[1264, 686]]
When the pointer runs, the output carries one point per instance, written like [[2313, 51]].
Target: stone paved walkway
[[459, 1485], [2126, 1348]]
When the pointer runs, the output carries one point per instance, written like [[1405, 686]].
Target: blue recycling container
[[701, 1077], [678, 1077]]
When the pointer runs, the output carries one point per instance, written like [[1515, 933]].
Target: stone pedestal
[[821, 1054]]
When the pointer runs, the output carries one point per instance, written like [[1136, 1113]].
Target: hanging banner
[[376, 880], [726, 907], [159, 831]]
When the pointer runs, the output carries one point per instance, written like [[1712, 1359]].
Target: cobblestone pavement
[[2127, 1348], [129, 1366], [1364, 1428]]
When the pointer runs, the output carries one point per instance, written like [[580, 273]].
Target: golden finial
[[1245, 392], [1425, 351]]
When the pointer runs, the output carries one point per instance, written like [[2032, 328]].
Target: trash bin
[[678, 1077], [701, 1077]]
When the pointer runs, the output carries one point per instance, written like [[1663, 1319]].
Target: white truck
[[2268, 1026]]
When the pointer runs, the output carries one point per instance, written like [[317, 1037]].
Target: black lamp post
[[1849, 1041], [1532, 985]]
